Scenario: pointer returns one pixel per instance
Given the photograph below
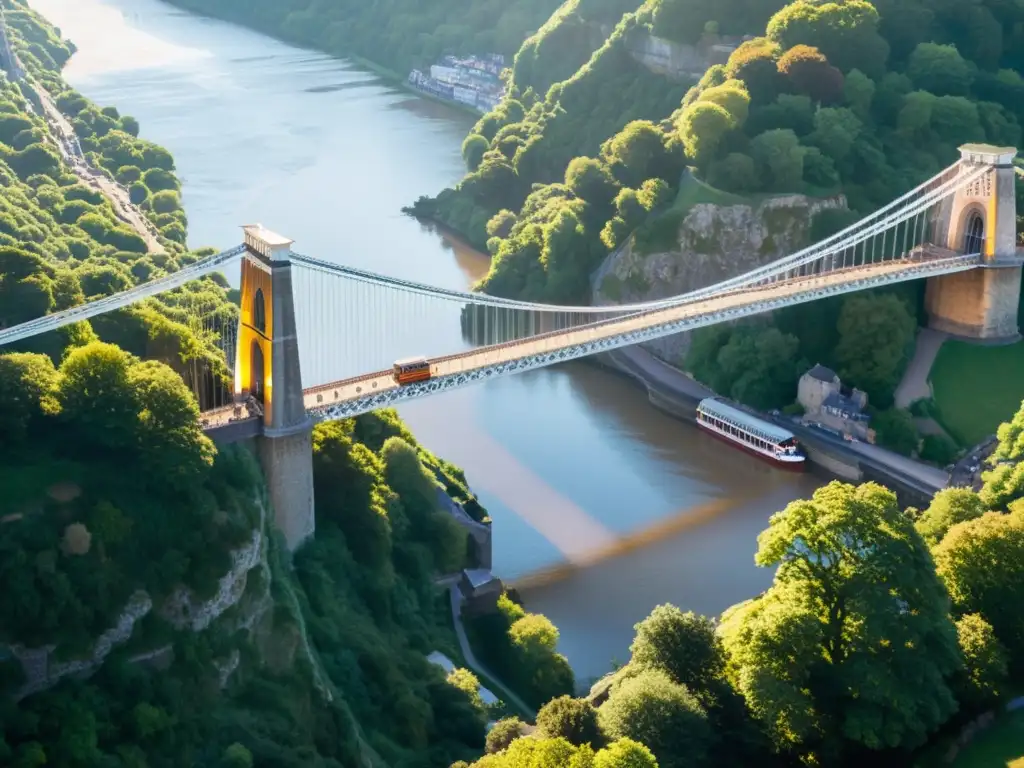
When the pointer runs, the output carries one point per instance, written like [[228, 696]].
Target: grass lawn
[[1001, 746], [977, 388]]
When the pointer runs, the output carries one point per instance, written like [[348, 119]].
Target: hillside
[[148, 612], [834, 97], [396, 35]]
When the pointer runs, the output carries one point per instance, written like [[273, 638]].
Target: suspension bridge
[[318, 341]]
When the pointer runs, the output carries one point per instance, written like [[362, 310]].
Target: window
[[259, 312]]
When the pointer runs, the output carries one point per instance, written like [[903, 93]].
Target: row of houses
[[473, 80]]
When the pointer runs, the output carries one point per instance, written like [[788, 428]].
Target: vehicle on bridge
[[412, 369], [751, 434]]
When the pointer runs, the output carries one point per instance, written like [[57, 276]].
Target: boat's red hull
[[787, 466]]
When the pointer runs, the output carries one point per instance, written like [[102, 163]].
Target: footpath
[[452, 585], [67, 142]]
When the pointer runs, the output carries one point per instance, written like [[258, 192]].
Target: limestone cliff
[[714, 243], [182, 610]]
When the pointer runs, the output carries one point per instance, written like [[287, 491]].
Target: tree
[[858, 92], [875, 334], [1004, 483], [77, 540], [985, 662], [503, 733], [938, 449], [625, 753], [468, 683], [590, 180], [835, 132], [754, 62], [940, 69], [949, 507], [473, 148], [682, 645], [914, 119], [846, 32], [660, 714], [809, 72], [895, 429], [574, 720], [780, 160], [236, 756], [853, 576], [701, 126], [636, 153], [170, 441], [735, 172], [96, 396], [27, 386], [546, 672], [732, 96], [982, 564], [501, 223]]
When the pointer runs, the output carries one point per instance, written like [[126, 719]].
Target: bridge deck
[[374, 385]]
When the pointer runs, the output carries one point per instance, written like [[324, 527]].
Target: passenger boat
[[751, 434]]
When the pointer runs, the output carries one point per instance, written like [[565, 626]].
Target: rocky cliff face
[[715, 243], [182, 610]]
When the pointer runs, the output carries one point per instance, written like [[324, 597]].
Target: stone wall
[[714, 243]]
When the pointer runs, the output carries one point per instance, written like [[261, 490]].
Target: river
[[567, 460]]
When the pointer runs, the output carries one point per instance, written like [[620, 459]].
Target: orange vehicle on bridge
[[412, 369]]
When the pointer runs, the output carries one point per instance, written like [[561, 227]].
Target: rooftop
[[821, 373], [842, 403], [260, 232]]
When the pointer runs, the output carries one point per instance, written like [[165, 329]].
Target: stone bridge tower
[[981, 304], [267, 369]]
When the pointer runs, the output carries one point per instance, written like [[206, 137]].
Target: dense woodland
[[397, 35], [883, 630], [112, 494], [866, 100]]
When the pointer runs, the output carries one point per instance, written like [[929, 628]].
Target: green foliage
[[938, 449], [1004, 483], [949, 507], [574, 720], [875, 337], [753, 364], [981, 563], [521, 648], [985, 662], [852, 573], [895, 429], [503, 733], [663, 715], [473, 149], [682, 645]]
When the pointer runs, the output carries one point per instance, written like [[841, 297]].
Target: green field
[[1002, 746], [977, 388]]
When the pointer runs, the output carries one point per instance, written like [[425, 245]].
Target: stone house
[[827, 402]]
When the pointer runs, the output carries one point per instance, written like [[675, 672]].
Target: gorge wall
[[713, 243]]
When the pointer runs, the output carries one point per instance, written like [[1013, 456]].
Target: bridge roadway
[[374, 390]]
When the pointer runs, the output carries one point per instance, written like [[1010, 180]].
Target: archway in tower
[[256, 372], [974, 234], [259, 312]]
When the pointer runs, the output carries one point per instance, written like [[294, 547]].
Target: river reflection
[[567, 459]]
